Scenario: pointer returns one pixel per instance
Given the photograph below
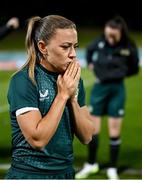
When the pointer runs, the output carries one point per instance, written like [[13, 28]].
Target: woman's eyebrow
[[70, 44]]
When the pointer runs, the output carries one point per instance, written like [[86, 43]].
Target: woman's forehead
[[65, 35], [112, 30], [66, 32]]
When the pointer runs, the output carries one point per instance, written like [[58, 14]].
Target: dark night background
[[83, 13]]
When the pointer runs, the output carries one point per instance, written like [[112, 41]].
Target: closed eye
[[65, 47], [76, 46]]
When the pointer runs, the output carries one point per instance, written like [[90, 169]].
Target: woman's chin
[[64, 68]]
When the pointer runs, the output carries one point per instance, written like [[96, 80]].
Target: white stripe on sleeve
[[24, 110]]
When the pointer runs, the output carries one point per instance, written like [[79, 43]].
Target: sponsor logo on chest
[[43, 94]]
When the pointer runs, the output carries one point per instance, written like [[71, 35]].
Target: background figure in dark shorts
[[112, 57], [47, 103], [12, 24]]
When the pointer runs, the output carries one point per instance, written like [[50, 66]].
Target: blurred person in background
[[12, 24], [112, 57], [47, 103]]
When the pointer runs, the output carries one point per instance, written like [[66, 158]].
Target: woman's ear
[[42, 47]]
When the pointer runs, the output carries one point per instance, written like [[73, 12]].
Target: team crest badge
[[125, 52]]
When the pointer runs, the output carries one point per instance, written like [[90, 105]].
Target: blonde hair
[[42, 29]]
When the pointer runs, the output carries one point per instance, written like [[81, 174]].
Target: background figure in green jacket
[[112, 57]]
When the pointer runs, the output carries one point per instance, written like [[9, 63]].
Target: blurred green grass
[[13, 41], [2, 174]]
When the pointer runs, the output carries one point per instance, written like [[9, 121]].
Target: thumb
[[59, 77]]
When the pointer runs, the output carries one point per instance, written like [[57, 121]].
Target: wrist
[[62, 97], [73, 99]]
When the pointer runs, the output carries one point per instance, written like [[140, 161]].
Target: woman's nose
[[72, 53]]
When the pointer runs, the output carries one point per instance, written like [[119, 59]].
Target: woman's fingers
[[72, 69], [68, 83], [68, 69], [77, 76], [74, 72]]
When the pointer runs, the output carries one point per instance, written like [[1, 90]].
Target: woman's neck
[[47, 65]]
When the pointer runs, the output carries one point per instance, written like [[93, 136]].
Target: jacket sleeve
[[4, 31], [91, 48], [133, 61]]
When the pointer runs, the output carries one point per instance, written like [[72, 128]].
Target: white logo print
[[121, 112], [101, 44], [43, 95]]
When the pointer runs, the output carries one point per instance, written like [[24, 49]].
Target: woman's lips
[[67, 65]]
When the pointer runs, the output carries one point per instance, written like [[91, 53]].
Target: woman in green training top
[[47, 103]]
